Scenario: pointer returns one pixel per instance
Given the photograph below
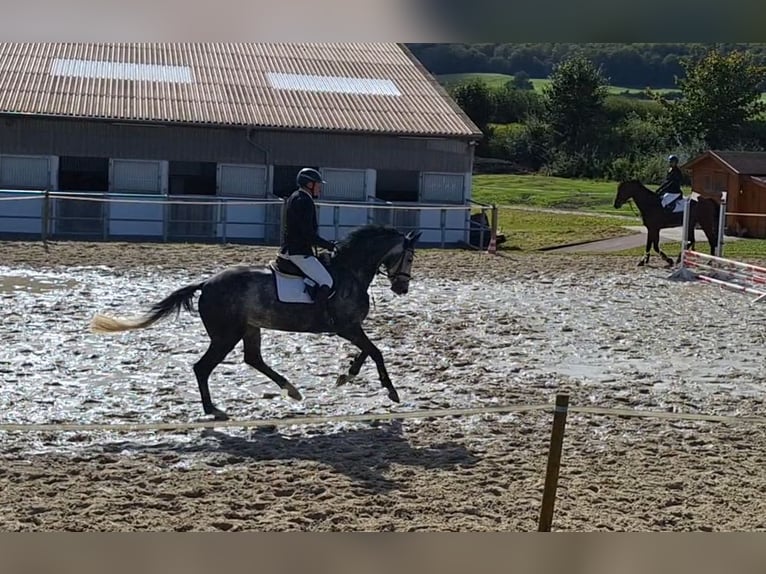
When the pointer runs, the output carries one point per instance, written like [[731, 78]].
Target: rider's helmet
[[672, 158], [308, 175]]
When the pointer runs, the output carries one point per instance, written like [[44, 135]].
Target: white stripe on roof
[[336, 84], [121, 71]]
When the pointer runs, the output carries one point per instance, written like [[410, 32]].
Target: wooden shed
[[742, 174]]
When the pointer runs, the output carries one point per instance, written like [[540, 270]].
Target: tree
[[476, 99], [720, 93], [574, 104], [521, 81]]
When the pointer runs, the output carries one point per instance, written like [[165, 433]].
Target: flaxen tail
[[173, 302]]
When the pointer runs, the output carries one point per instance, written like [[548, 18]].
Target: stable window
[[284, 179], [83, 174], [192, 178], [721, 181], [395, 185]]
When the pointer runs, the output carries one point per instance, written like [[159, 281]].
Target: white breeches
[[311, 266]]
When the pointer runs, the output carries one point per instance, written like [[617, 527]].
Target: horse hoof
[[641, 263], [219, 415], [343, 379], [393, 395], [293, 393]]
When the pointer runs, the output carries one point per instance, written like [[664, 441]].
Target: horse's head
[[398, 263], [625, 192], [371, 247]]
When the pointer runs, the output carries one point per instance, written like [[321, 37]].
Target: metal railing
[[119, 216]]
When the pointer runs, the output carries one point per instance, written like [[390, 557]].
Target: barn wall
[[231, 145], [751, 200]]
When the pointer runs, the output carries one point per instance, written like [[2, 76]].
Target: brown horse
[[702, 211]]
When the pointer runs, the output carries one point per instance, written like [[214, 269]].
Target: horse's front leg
[[645, 259], [358, 337], [353, 370]]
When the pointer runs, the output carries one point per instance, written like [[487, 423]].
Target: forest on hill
[[555, 109], [629, 65]]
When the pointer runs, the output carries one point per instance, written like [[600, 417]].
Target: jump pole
[[683, 273], [721, 225]]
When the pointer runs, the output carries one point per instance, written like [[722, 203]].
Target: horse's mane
[[357, 244], [369, 233], [638, 182]]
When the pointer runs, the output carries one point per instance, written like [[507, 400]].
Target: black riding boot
[[322, 294]]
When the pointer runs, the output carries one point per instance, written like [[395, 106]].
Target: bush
[[526, 144], [650, 170], [513, 105], [586, 163], [619, 108]]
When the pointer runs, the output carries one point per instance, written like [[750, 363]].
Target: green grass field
[[548, 192], [531, 230], [591, 204], [499, 80]]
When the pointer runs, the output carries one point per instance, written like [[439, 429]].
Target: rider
[[672, 184], [301, 235]]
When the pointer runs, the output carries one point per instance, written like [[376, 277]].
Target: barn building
[[742, 175], [200, 141]]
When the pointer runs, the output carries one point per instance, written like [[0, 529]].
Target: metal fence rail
[[120, 216]]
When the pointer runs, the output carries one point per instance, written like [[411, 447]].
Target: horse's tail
[[173, 302]]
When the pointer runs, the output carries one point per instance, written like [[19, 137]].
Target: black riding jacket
[[301, 232], [672, 183]]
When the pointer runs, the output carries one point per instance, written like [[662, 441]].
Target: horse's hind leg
[[353, 370], [215, 354], [711, 229], [252, 344], [656, 244]]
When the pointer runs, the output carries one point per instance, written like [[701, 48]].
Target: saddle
[[289, 276], [287, 267], [671, 202]]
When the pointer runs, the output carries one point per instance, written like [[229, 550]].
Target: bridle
[[397, 271], [629, 201]]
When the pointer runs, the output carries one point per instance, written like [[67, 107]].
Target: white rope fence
[[218, 200], [373, 417]]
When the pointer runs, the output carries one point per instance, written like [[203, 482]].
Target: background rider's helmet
[[308, 175], [672, 158]]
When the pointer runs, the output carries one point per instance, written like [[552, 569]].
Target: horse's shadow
[[362, 454]]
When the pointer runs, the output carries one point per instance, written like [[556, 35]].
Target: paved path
[[637, 239]]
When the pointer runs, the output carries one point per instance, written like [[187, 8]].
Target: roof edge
[[216, 125], [477, 133], [756, 180], [708, 155]]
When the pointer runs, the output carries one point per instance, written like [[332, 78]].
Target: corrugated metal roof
[[366, 87]]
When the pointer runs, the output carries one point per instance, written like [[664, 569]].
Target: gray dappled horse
[[655, 217], [236, 303]]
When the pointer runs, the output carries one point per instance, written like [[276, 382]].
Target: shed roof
[[362, 87], [740, 162]]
